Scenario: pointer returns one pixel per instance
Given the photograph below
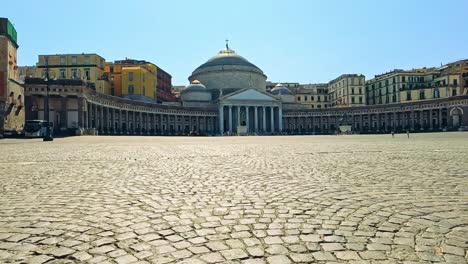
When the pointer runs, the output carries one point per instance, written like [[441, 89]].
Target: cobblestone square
[[301, 199]]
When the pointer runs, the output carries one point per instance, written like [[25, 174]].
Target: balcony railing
[[65, 82]]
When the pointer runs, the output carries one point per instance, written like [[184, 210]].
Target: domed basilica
[[237, 88]]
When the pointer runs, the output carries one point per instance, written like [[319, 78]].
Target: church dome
[[227, 57], [195, 91], [280, 89], [228, 72], [194, 86]]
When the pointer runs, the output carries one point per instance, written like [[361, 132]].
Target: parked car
[[10, 133]]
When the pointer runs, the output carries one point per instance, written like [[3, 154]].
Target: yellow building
[[441, 87], [347, 90], [391, 87], [85, 66], [312, 95], [132, 79]]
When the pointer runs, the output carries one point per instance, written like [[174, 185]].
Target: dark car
[[10, 133]]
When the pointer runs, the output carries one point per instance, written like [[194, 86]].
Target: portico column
[[440, 118], [421, 119], [412, 119], [88, 115], [134, 121], [247, 118], [430, 120], [101, 119], [230, 118], [238, 116], [264, 119], [95, 119], [361, 127], [221, 119], [80, 114], [142, 123], [256, 118], [127, 122], [272, 119], [120, 120], [280, 119], [378, 122]]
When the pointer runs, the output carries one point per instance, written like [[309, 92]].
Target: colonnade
[[256, 118], [109, 120], [369, 122]]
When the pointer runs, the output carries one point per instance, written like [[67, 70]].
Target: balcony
[[64, 82]]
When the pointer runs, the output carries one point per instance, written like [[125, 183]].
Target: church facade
[[228, 95]]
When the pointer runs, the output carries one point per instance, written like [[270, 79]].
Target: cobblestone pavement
[[317, 199]]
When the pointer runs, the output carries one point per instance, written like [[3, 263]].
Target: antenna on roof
[[227, 44]]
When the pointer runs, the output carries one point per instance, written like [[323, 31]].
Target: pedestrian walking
[[393, 134], [407, 133]]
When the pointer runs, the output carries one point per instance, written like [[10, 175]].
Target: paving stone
[[332, 247], [322, 200], [373, 255], [126, 259], [323, 256], [39, 259], [278, 259], [212, 258], [298, 258], [256, 251], [236, 253], [347, 255], [61, 252]]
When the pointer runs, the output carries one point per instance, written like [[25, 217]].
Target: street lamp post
[[47, 136]]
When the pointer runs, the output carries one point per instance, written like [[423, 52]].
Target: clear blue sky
[[291, 41]]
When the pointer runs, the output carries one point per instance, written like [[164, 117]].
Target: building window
[[298, 98], [318, 98], [111, 69], [394, 98], [454, 92], [421, 95], [436, 93], [130, 76], [86, 60], [62, 74], [74, 75], [305, 98], [130, 90], [352, 100], [408, 96], [312, 98], [403, 79], [74, 60], [144, 90], [360, 90], [360, 99], [144, 77], [352, 90], [455, 82], [62, 60], [319, 106], [87, 75]]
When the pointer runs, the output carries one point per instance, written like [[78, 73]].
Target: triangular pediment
[[250, 94]]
